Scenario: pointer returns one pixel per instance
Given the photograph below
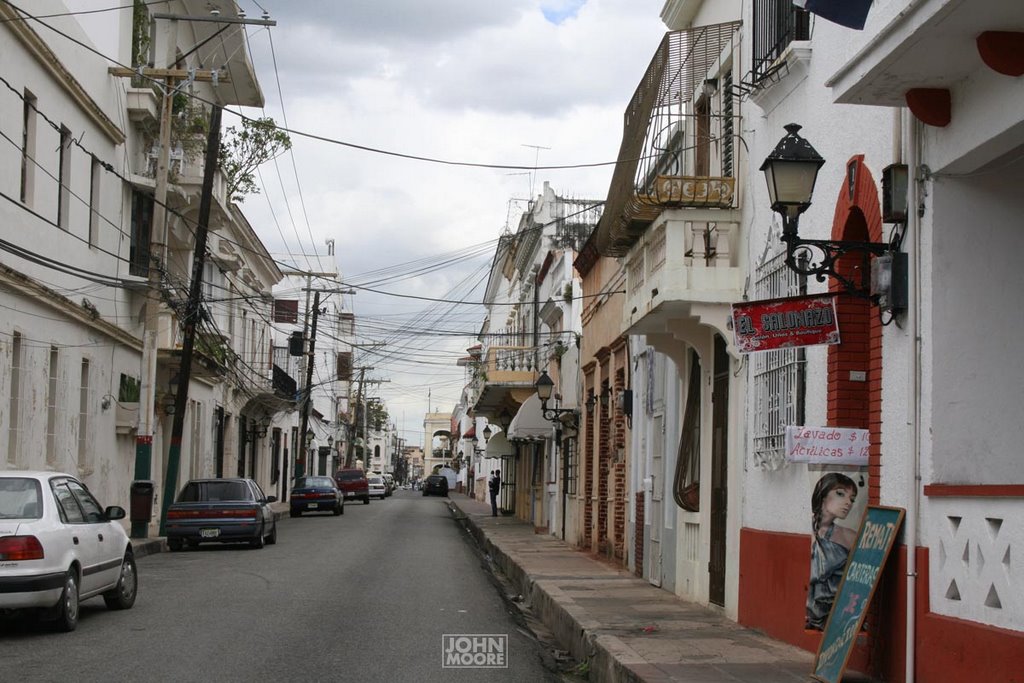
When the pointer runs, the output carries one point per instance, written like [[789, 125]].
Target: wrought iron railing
[[675, 139], [777, 23]]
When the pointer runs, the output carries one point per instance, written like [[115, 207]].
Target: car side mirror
[[114, 512], [271, 499]]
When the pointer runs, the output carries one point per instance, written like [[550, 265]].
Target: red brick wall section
[[638, 534], [851, 403], [619, 532]]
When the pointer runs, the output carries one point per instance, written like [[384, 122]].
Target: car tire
[[122, 596], [258, 542], [67, 608], [366, 501], [294, 513], [272, 537], [425, 493], [339, 509], [175, 544]]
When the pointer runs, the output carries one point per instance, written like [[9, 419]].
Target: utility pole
[[307, 398], [349, 462], [192, 314], [170, 75]]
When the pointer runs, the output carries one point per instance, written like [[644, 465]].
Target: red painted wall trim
[[974, 490]]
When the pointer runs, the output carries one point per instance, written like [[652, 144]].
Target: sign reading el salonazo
[[785, 323]]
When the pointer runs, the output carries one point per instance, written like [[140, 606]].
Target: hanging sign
[[827, 445], [785, 323], [863, 570]]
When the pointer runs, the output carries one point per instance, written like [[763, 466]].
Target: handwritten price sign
[[827, 445]]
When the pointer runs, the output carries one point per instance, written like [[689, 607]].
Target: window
[[778, 376], [93, 511], [286, 311], [777, 23], [344, 366], [51, 408], [142, 226], [211, 280], [83, 418], [70, 511], [64, 177], [94, 202], [15, 402], [686, 484], [28, 147]]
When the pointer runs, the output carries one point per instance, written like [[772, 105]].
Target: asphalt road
[[366, 596]]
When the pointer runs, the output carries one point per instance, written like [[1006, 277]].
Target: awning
[[529, 422]]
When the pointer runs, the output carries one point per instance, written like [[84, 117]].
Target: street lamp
[[791, 171], [562, 416]]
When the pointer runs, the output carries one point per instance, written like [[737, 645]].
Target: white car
[[58, 546], [377, 486]]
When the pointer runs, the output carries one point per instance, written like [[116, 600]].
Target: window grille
[[728, 124], [779, 376]]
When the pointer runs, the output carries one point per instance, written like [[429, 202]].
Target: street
[[365, 596]]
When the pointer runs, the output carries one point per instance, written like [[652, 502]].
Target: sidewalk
[[622, 626]]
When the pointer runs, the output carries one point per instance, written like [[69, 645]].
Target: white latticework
[[975, 557]]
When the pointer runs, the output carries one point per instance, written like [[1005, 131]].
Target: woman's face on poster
[[838, 502]]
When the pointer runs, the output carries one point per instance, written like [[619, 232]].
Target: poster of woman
[[834, 521]]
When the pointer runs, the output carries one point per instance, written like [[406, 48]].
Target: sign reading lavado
[[785, 323], [827, 445]]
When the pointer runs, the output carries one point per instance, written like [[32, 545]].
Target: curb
[[582, 642]]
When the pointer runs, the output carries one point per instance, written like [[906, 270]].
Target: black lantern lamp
[[505, 419], [791, 171], [562, 416]]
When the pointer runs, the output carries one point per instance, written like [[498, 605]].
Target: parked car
[[435, 484], [389, 483], [316, 494], [352, 482], [221, 511], [58, 546], [377, 487]]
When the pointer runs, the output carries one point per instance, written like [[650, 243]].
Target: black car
[[316, 494], [435, 484]]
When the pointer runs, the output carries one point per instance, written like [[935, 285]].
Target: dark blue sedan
[[316, 494]]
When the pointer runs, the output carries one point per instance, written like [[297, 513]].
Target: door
[[657, 496], [719, 471]]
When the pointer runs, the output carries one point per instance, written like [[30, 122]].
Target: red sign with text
[[785, 323]]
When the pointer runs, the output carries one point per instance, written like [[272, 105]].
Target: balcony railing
[[777, 23], [679, 141]]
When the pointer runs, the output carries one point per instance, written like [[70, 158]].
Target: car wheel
[[337, 509], [122, 596], [424, 493], [366, 501], [258, 541], [295, 513], [67, 608], [272, 538], [175, 544], [341, 508]]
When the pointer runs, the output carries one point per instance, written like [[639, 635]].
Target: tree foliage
[[244, 150]]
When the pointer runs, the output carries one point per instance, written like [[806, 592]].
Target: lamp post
[[560, 416], [791, 171]]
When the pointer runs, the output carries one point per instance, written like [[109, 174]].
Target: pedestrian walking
[[495, 487]]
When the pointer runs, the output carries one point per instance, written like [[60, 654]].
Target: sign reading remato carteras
[[784, 323]]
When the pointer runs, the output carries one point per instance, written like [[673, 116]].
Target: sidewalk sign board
[[785, 323], [875, 539]]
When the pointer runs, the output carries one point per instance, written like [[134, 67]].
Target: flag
[[848, 13]]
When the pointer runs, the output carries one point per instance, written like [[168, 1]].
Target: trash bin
[[141, 501]]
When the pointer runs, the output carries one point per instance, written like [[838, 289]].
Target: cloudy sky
[[509, 83]]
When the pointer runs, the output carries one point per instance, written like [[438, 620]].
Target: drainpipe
[[913, 387]]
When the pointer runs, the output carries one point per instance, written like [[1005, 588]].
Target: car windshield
[[213, 491], [376, 480], [20, 498], [314, 482], [350, 475]]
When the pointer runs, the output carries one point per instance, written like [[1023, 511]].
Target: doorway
[[719, 472]]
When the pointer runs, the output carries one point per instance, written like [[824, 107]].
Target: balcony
[[504, 376], [680, 140], [686, 266]]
